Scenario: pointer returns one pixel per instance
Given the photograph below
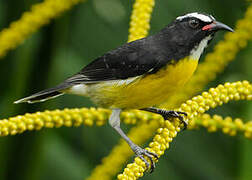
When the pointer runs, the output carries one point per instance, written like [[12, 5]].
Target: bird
[[143, 73]]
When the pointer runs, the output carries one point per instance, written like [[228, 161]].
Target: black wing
[[130, 60]]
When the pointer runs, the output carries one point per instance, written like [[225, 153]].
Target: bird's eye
[[193, 23]]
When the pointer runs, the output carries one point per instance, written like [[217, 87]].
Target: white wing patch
[[198, 50], [83, 90], [79, 89], [199, 16], [121, 82]]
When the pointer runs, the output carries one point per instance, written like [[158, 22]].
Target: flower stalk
[[140, 19], [227, 125], [31, 21]]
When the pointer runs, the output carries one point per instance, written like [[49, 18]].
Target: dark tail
[[43, 95]]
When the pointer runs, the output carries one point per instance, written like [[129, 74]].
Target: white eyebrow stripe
[[202, 17]]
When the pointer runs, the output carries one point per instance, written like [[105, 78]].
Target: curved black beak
[[215, 26]]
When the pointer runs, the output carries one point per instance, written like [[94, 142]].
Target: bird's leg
[[168, 114], [114, 121]]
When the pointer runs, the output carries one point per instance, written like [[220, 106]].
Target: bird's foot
[[168, 114], [175, 114], [140, 152]]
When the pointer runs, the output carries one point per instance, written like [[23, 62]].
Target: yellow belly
[[146, 91]]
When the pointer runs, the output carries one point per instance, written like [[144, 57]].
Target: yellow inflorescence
[[68, 118], [140, 19], [89, 117], [194, 107], [30, 22], [215, 62], [227, 125], [50, 119]]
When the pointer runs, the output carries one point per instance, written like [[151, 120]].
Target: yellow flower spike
[[224, 52], [31, 21], [227, 125], [248, 130], [50, 119], [160, 143], [140, 19]]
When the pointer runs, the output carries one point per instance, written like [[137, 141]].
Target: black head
[[199, 25], [192, 32]]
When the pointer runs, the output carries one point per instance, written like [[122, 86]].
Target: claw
[[176, 114], [184, 113], [185, 125], [153, 154], [143, 152], [145, 161]]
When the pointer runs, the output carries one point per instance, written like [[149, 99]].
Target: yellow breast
[[145, 91]]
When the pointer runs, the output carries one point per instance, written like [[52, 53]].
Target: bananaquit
[[142, 73]]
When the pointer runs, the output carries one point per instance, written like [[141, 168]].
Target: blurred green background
[[69, 42]]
